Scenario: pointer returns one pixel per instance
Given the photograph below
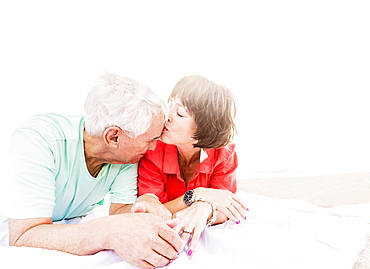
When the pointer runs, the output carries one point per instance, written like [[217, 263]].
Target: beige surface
[[324, 191]]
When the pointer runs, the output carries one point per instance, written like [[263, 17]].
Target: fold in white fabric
[[278, 233]]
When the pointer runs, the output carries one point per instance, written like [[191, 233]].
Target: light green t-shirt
[[49, 176]]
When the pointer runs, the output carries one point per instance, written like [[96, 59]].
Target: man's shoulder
[[51, 124], [55, 119]]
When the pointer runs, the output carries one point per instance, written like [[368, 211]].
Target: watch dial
[[188, 197]]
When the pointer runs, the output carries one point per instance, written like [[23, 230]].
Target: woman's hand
[[193, 220], [226, 202]]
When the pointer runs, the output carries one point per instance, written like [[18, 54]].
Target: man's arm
[[150, 205], [115, 209], [42, 233], [143, 240]]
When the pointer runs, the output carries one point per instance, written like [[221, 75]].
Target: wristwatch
[[189, 197]]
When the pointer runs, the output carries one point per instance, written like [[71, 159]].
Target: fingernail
[[190, 252], [237, 222], [245, 218], [247, 209]]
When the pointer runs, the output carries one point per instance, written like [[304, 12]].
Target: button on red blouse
[[159, 172]]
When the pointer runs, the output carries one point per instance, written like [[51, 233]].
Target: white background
[[298, 69]]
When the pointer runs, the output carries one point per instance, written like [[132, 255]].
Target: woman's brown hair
[[213, 108]]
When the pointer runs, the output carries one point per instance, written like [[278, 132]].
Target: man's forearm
[[114, 210], [136, 238], [79, 239]]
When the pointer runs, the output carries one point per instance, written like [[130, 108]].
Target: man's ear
[[111, 135]]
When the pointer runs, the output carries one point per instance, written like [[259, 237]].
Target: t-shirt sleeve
[[224, 176], [31, 176], [124, 188]]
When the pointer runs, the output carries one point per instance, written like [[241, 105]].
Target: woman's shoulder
[[225, 150], [223, 154]]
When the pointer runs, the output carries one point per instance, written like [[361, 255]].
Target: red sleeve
[[150, 177], [223, 176]]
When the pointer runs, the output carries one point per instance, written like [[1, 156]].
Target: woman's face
[[180, 126]]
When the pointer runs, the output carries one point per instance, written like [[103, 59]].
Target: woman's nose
[[169, 115]]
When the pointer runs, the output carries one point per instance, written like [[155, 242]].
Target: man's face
[[132, 149]]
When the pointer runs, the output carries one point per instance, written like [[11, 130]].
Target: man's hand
[[153, 206], [143, 240]]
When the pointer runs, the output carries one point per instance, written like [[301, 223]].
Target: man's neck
[[93, 150]]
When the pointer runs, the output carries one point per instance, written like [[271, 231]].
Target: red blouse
[[159, 172]]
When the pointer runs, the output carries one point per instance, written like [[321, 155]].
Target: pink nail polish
[[237, 222], [247, 209], [190, 252], [245, 218]]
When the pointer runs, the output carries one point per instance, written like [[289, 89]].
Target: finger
[[172, 222], [234, 211], [227, 212], [240, 209], [165, 249], [166, 215], [178, 228], [241, 202], [138, 208], [194, 240], [172, 238], [157, 260], [143, 264], [185, 237]]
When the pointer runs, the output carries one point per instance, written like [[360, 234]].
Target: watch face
[[189, 198]]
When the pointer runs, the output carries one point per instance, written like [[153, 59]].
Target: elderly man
[[62, 167]]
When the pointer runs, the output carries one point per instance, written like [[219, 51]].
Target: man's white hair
[[123, 102]]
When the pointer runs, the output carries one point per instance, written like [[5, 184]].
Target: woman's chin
[[165, 139]]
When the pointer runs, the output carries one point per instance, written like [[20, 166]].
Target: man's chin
[[136, 160]]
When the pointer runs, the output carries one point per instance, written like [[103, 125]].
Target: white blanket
[[278, 233]]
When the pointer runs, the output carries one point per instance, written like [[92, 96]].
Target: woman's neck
[[188, 154], [189, 158]]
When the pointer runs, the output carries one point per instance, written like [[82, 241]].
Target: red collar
[[171, 161]]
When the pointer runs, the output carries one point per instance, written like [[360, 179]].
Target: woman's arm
[[223, 185]]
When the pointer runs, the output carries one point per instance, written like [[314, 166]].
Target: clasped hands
[[190, 222]]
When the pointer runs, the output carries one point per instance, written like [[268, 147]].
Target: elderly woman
[[192, 169]]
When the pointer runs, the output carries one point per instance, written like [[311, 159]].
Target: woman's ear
[[111, 135]]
